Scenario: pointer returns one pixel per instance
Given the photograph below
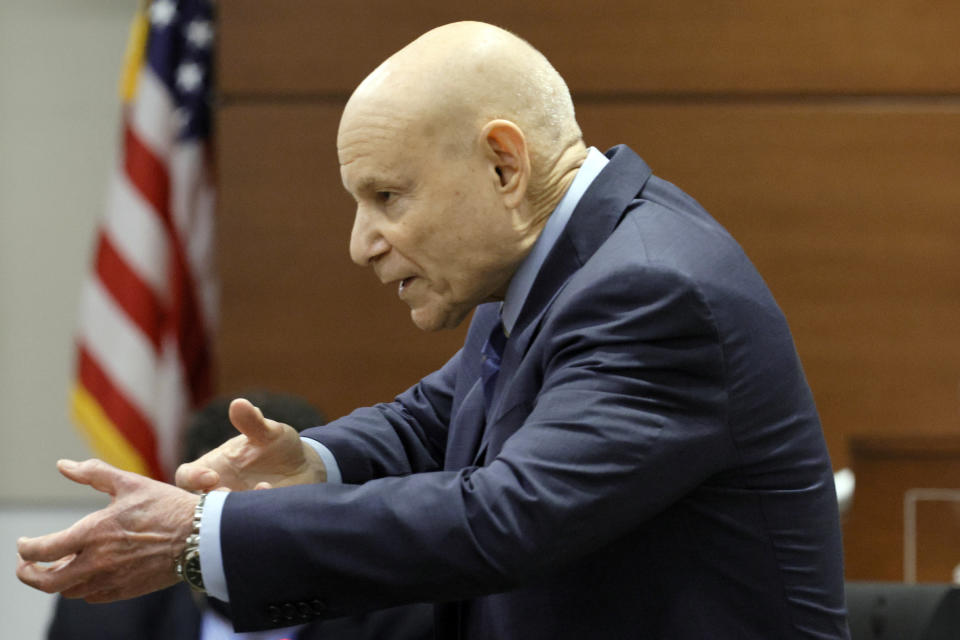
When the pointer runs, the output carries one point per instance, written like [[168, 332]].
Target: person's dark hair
[[210, 426]]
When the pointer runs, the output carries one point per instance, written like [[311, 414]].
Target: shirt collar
[[522, 280]]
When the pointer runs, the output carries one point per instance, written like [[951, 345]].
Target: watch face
[[191, 570]]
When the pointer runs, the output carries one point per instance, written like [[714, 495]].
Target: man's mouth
[[404, 284]]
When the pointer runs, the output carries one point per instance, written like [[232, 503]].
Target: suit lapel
[[593, 220], [467, 420]]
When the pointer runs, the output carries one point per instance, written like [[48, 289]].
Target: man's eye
[[384, 196]]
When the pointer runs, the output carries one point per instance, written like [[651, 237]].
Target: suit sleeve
[[629, 417], [398, 438]]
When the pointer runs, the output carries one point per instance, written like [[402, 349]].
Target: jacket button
[[273, 612], [318, 606], [289, 611], [305, 611]]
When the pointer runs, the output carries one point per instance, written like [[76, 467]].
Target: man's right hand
[[266, 454]]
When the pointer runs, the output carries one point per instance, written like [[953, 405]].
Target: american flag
[[148, 307]]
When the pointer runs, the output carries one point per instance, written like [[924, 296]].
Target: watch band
[[188, 564]]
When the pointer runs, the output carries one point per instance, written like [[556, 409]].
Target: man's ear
[[507, 149]]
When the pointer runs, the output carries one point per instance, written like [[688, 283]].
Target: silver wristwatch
[[188, 564]]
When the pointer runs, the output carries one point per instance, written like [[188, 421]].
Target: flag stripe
[[138, 236], [147, 173], [191, 336], [151, 179], [129, 292], [121, 413], [118, 346], [151, 114], [172, 403], [193, 215], [105, 439]]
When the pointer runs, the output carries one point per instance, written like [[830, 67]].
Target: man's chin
[[427, 319]]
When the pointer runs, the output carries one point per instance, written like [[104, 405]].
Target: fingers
[[193, 476], [67, 576], [50, 547], [96, 473], [250, 422], [50, 578]]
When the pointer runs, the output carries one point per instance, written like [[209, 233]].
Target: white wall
[[59, 110]]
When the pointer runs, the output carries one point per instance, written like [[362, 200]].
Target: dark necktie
[[490, 364]]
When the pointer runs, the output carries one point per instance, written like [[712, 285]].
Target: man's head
[[456, 149]]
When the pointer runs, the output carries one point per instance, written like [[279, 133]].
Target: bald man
[[624, 447]]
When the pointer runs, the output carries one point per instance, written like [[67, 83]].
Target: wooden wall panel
[[612, 46]]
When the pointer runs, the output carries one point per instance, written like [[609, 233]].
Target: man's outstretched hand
[[130, 547], [266, 454], [121, 551]]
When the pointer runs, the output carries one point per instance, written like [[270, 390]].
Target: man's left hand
[[124, 550]]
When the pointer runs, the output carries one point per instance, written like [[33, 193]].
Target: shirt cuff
[[329, 462], [211, 559]]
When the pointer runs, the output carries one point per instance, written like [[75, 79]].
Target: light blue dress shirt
[[211, 559]]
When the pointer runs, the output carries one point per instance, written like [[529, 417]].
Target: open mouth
[[404, 284]]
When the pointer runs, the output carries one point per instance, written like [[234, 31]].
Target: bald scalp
[[451, 81]]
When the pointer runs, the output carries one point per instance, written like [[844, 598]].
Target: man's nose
[[366, 241]]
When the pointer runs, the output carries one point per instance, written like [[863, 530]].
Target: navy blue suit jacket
[[174, 614], [652, 465]]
